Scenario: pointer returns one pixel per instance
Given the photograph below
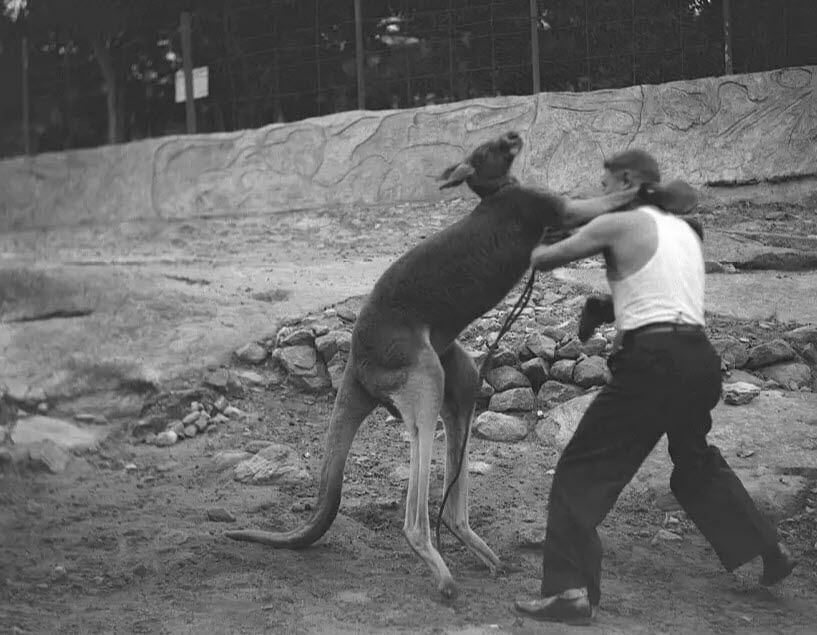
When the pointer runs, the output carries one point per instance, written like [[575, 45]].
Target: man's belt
[[654, 329]]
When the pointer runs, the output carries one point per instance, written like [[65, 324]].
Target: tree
[[109, 27]]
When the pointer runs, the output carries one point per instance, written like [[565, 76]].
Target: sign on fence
[[200, 84]]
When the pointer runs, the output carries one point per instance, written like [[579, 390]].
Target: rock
[[276, 463], [42, 407], [15, 391], [553, 393], [221, 403], [190, 417], [220, 515], [335, 372], [225, 382], [562, 370], [256, 445], [48, 456], [561, 422], [312, 384], [506, 377], [229, 458], [803, 336], [809, 353], [513, 399], [496, 426], [486, 391], [36, 428], [190, 431], [479, 467], [220, 418], [504, 357], [791, 375], [299, 337], [233, 412], [732, 351], [166, 438], [571, 350], [344, 340], [305, 371], [713, 266], [58, 573], [740, 393], [594, 346], [592, 371], [177, 427], [346, 314], [555, 333], [296, 359], [202, 421], [251, 377], [523, 353], [742, 376], [541, 346], [536, 370], [327, 346], [251, 353], [770, 353]]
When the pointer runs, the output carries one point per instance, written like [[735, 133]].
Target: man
[[665, 380]]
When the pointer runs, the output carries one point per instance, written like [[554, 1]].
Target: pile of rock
[[780, 363], [542, 366], [201, 417]]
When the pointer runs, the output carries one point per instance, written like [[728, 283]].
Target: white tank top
[[670, 286]]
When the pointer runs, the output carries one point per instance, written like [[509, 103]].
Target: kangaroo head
[[487, 168]]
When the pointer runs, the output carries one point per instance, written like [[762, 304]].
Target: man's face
[[615, 181]]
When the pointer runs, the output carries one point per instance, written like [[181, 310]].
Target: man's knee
[[695, 466]]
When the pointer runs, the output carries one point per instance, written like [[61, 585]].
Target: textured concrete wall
[[739, 136]]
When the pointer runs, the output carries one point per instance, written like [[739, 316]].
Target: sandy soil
[[105, 549]]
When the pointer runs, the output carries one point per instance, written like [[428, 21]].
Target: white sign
[[200, 84]]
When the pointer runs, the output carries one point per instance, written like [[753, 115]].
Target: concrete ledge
[[735, 137]]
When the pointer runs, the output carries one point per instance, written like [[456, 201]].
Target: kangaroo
[[405, 355]]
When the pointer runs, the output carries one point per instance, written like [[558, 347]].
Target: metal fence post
[[360, 55], [26, 108], [534, 45], [185, 28], [727, 37]]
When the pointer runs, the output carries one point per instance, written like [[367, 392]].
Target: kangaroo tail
[[352, 404]]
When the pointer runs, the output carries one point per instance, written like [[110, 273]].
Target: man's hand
[[597, 310]]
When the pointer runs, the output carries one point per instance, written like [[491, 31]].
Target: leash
[[512, 316]]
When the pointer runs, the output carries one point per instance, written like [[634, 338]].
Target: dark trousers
[[663, 383]]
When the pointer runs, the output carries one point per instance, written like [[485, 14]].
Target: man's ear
[[456, 174], [626, 180]]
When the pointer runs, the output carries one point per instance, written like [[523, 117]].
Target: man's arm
[[579, 212], [591, 239]]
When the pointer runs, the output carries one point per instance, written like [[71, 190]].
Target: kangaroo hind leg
[[461, 388], [419, 399]]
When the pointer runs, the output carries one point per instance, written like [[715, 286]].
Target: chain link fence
[[273, 61]]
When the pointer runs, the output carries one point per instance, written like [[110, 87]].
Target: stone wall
[[735, 137]]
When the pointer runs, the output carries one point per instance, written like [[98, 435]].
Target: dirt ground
[[121, 542]]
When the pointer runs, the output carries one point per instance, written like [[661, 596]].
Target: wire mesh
[[273, 61]]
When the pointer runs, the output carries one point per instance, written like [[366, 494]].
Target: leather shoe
[[576, 611], [778, 563]]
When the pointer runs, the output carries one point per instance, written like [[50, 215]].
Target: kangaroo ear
[[456, 174]]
